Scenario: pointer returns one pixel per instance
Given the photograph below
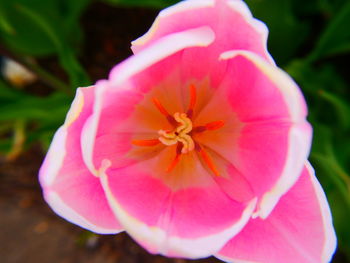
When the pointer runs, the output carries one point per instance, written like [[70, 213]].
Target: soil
[[30, 232]]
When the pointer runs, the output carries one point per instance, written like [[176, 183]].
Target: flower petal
[[275, 137], [232, 24], [298, 230], [164, 47], [129, 81], [69, 188], [230, 20], [192, 221]]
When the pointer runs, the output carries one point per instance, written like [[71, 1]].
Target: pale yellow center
[[179, 134]]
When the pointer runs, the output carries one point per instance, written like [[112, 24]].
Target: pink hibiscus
[[196, 145]]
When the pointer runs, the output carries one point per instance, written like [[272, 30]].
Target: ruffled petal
[[299, 229], [272, 139], [69, 188], [194, 219], [231, 22]]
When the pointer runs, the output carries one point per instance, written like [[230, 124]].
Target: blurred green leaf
[[77, 75], [46, 27], [58, 18], [27, 37], [143, 3], [323, 155], [334, 180], [47, 109], [315, 79], [7, 93], [287, 32], [341, 223], [5, 24], [342, 108], [336, 37]]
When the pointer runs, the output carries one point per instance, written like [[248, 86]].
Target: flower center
[[182, 134]]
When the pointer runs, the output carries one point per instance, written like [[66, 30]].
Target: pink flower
[[196, 146]]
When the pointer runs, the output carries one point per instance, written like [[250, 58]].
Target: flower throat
[[182, 133]]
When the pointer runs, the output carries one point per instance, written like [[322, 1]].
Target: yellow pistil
[[179, 134]]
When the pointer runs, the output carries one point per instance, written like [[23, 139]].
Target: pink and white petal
[[164, 47], [69, 188], [298, 230], [193, 222], [129, 82], [275, 138], [231, 21]]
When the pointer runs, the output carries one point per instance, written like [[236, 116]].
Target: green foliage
[[143, 3], [45, 114], [336, 37], [35, 27], [287, 32]]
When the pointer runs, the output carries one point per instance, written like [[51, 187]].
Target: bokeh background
[[70, 43]]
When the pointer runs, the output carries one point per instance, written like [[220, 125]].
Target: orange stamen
[[152, 142], [174, 163], [214, 125], [163, 111], [193, 96], [209, 162], [177, 158], [160, 107]]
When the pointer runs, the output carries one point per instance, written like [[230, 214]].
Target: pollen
[[180, 134]]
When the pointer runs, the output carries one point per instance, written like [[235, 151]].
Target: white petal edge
[[242, 8], [156, 237], [63, 210], [229, 260], [161, 49], [179, 7], [52, 165], [236, 5], [299, 139], [330, 239], [57, 151], [330, 236]]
